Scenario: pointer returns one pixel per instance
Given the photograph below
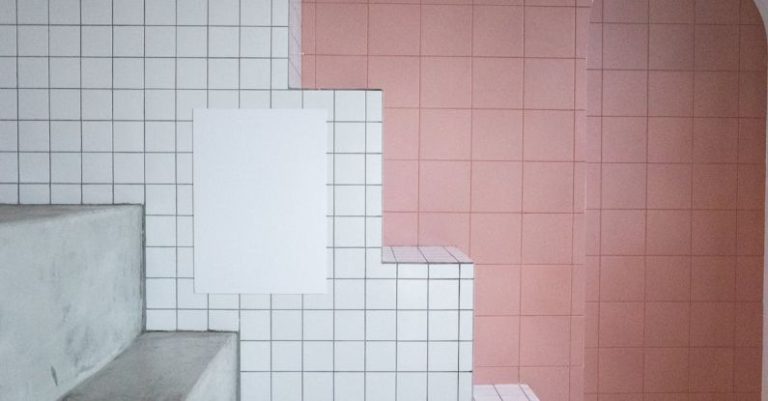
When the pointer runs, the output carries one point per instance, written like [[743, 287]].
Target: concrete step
[[169, 366]]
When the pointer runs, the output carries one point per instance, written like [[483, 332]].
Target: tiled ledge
[[504, 392], [423, 255]]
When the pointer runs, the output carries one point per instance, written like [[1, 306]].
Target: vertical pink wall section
[[675, 174], [486, 134]]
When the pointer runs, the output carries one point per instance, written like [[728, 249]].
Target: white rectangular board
[[260, 201]]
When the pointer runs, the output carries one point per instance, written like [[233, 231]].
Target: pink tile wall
[[482, 103], [675, 183]]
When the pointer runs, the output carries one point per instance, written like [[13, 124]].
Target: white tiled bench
[[504, 392]]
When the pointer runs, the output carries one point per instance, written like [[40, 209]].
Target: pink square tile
[[751, 140], [750, 232], [497, 83], [592, 220], [583, 33], [547, 238], [625, 11], [717, 94], [341, 72], [620, 369], [671, 46], [546, 290], [624, 186], [752, 94], [580, 91], [550, 31], [549, 383], [401, 186], [714, 186], [590, 373], [671, 11], [308, 72], [308, 28], [625, 93], [749, 13], [398, 77], [594, 140], [666, 370], [496, 186], [400, 228], [622, 278], [711, 370], [549, 84], [621, 324], [669, 186], [668, 232], [625, 46], [623, 232], [715, 140], [717, 47], [444, 186], [497, 134], [497, 31], [548, 135], [544, 340], [669, 140], [496, 238], [341, 29], [713, 278], [548, 187], [497, 340], [749, 324], [495, 374], [712, 324], [668, 278], [445, 134], [435, 72], [595, 92], [446, 30], [394, 29], [747, 371], [497, 290], [749, 278], [444, 228], [624, 139], [714, 232], [594, 185], [667, 324], [401, 133], [752, 47], [717, 11], [751, 186], [595, 47], [670, 94]]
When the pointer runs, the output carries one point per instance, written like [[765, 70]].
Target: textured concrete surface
[[70, 294], [171, 366]]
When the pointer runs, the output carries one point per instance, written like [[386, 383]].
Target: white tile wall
[[96, 99]]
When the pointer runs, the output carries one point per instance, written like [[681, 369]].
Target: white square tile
[[350, 294], [286, 356], [286, 325], [33, 167], [129, 168], [223, 41], [9, 133], [279, 73], [254, 99], [160, 136], [223, 320], [161, 320], [406, 270], [280, 12], [374, 105], [96, 11], [161, 199], [349, 137], [349, 231], [380, 325], [160, 104], [193, 320], [192, 12], [33, 72], [255, 386], [443, 356], [192, 73], [223, 99], [97, 72], [373, 200], [129, 41], [8, 72], [33, 136], [128, 104], [319, 99], [160, 73], [380, 386], [65, 104], [318, 356], [256, 12], [65, 72], [188, 298], [160, 12], [466, 325], [223, 12], [8, 11], [184, 199], [65, 194], [286, 99], [349, 169], [128, 137], [65, 41], [34, 194], [187, 100], [381, 294], [465, 356], [129, 193], [128, 12], [349, 356], [412, 325], [8, 104], [184, 262], [280, 42], [97, 104], [97, 193], [161, 41], [255, 42], [373, 231], [161, 293], [222, 73], [286, 386], [192, 41], [32, 12], [129, 73], [65, 168], [467, 294], [411, 356], [412, 294], [254, 74], [443, 325], [349, 263], [32, 40], [97, 136], [7, 40], [443, 386], [160, 262], [373, 169], [97, 41], [350, 105], [318, 325], [223, 301], [320, 301], [443, 294], [349, 325], [373, 141], [380, 356], [318, 386], [255, 325], [160, 230], [160, 168], [9, 167], [286, 301], [184, 168], [255, 356], [9, 193]]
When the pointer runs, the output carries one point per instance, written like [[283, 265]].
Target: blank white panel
[[260, 201]]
